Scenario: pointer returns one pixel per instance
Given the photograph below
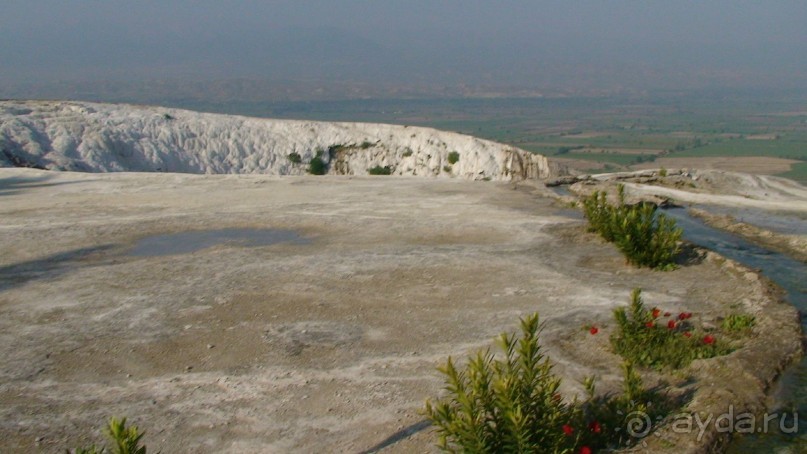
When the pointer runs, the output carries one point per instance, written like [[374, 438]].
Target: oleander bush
[[658, 339], [511, 403], [125, 440], [646, 239]]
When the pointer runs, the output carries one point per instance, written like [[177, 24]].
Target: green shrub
[[643, 337], [365, 145], [378, 170], [317, 167], [512, 404], [662, 172], [503, 405], [453, 157], [295, 157], [606, 422], [408, 152], [644, 238], [738, 322], [126, 440], [447, 169]]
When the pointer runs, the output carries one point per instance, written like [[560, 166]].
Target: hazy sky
[[503, 42]]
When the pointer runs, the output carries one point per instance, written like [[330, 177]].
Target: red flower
[[585, 450], [684, 315], [666, 314], [650, 324], [671, 324], [687, 334], [709, 339], [595, 427], [656, 312], [594, 330], [568, 430]]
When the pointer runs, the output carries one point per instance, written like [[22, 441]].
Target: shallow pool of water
[[196, 240]]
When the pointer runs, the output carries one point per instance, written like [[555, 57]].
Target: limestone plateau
[[91, 137]]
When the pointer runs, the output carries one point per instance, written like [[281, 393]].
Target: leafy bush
[[126, 440], [503, 405], [295, 157], [608, 422], [644, 238], [453, 157], [738, 322], [644, 338], [512, 404], [662, 172], [378, 170], [447, 169], [317, 166], [408, 152]]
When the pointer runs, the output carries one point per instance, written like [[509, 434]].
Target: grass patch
[[745, 147], [738, 323], [797, 172]]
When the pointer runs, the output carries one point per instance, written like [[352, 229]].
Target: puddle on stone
[[188, 242]]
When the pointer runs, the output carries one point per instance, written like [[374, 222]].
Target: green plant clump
[[317, 166], [125, 440], [453, 157], [644, 238], [407, 153], [447, 169], [512, 404], [738, 322], [378, 170], [643, 338], [295, 157]]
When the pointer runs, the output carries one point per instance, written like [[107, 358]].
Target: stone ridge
[[90, 137]]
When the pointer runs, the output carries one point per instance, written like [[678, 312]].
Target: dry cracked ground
[[324, 343]]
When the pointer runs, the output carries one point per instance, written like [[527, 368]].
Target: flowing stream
[[791, 394]]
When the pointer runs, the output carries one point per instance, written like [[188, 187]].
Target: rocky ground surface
[[325, 344]]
